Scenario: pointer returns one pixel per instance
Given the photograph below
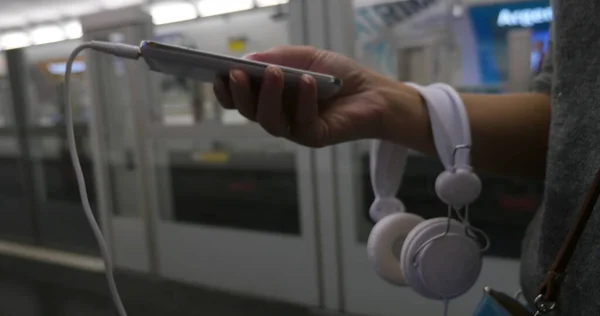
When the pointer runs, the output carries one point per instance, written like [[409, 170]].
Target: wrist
[[406, 119]]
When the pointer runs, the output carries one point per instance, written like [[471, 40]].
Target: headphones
[[438, 258]]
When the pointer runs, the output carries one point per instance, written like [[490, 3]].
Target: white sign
[[524, 17]]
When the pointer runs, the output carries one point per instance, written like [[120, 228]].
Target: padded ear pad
[[445, 268], [458, 188], [385, 244], [383, 207]]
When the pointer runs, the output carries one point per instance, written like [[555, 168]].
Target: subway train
[[263, 183]]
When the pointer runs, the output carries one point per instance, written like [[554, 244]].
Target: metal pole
[[17, 71]]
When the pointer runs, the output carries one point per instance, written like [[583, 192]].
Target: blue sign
[[491, 24], [524, 17]]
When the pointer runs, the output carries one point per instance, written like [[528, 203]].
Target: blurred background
[[205, 214]]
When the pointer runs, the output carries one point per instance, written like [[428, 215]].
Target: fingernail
[[307, 79], [274, 72], [232, 76], [249, 55]]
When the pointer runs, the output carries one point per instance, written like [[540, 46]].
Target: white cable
[[470, 229], [120, 50], [446, 307]]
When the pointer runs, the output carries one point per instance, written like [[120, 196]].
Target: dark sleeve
[[542, 82]]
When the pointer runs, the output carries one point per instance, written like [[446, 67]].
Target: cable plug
[[116, 49]]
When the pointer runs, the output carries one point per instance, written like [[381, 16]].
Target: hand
[[356, 112]]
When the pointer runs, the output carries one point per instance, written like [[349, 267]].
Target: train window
[[47, 106], [253, 188], [503, 211]]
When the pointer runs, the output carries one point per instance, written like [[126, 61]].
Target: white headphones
[[439, 258]]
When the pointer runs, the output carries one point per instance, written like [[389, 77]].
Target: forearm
[[509, 132]]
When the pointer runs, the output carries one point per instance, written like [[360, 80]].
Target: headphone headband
[[449, 123], [388, 162], [438, 259], [462, 149], [451, 135]]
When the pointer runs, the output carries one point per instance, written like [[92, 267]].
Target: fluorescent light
[[216, 7], [171, 12], [73, 30], [268, 3], [47, 34], [115, 4], [14, 40]]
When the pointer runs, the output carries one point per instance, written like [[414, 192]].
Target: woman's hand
[[360, 110]]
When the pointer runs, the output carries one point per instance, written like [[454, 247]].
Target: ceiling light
[[216, 7], [115, 4], [47, 34], [73, 30], [171, 12], [14, 40], [268, 3]]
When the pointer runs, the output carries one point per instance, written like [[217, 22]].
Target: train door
[[118, 88], [194, 194], [236, 208]]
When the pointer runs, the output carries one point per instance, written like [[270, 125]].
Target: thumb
[[301, 57]]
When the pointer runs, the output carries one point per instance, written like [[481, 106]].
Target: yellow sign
[[211, 157], [237, 45]]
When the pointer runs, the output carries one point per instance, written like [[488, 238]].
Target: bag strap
[[550, 287]]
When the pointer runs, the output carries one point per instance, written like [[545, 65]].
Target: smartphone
[[204, 66]]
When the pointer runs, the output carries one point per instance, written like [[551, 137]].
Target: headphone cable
[[119, 50]]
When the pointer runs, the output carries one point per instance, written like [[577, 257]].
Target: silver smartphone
[[204, 66]]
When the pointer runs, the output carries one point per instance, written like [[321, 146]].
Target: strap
[[450, 126], [446, 119], [388, 161], [461, 156], [550, 288]]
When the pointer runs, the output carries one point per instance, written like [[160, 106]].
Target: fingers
[[241, 94], [269, 107], [306, 116], [269, 113], [307, 110], [223, 93]]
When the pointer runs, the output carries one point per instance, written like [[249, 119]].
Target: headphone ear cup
[[438, 267], [458, 188], [383, 207], [385, 244]]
